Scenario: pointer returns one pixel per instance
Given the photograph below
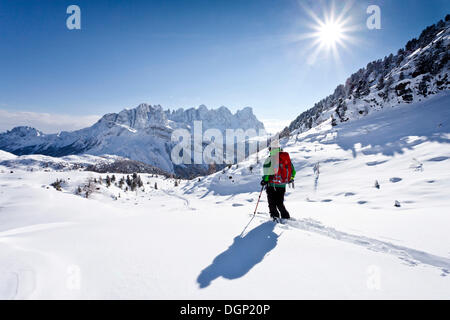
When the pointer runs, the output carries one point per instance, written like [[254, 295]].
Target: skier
[[278, 171]]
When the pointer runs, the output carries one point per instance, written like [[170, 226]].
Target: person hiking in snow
[[278, 171]]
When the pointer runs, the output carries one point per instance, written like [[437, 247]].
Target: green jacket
[[268, 170]]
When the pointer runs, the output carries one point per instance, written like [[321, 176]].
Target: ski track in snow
[[186, 200], [411, 256], [22, 283], [17, 284], [33, 228]]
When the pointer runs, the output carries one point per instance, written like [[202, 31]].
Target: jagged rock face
[[14, 137], [142, 117], [142, 134], [415, 72], [221, 118]]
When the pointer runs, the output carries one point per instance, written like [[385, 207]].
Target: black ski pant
[[275, 197]]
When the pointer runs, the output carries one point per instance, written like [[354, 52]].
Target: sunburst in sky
[[330, 33]]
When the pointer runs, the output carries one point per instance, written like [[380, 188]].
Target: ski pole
[[262, 188], [254, 213]]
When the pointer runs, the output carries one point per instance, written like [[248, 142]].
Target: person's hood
[[275, 144]]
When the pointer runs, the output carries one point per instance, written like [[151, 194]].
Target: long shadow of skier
[[241, 256]]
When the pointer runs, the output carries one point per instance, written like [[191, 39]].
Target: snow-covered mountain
[[419, 70], [142, 133]]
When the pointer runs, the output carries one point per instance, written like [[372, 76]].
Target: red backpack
[[282, 171]]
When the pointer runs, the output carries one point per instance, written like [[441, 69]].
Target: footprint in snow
[[237, 205], [375, 163], [362, 202], [438, 159], [395, 179], [349, 194]]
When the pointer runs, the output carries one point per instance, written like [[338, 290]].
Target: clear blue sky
[[186, 53]]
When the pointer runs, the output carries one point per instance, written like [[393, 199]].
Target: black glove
[[291, 183], [263, 182]]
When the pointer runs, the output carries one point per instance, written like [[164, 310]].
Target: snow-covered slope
[[416, 72], [85, 162], [414, 137], [198, 240], [40, 162], [6, 155], [142, 133]]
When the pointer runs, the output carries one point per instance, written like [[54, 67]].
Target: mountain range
[[142, 133]]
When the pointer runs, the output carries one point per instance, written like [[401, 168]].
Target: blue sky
[[187, 53]]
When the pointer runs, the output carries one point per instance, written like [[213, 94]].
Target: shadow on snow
[[241, 256]]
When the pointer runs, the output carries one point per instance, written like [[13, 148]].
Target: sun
[[330, 33]]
